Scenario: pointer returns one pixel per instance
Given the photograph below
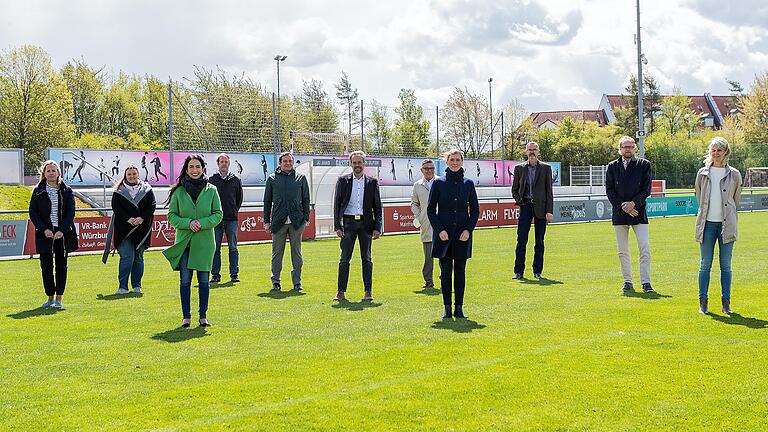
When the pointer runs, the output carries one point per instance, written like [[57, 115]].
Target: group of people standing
[[203, 209]]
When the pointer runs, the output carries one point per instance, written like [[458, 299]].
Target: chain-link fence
[[244, 119]]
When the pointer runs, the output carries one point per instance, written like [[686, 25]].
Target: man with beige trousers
[[419, 201]]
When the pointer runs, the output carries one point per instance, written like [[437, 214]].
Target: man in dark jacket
[[532, 190], [628, 185], [286, 213], [231, 194], [357, 215]]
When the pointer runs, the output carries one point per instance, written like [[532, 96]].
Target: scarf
[[194, 187], [454, 176], [132, 188]]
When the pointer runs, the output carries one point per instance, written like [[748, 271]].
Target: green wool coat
[[202, 244]]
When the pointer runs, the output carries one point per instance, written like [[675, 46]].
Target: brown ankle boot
[[703, 309], [727, 306]]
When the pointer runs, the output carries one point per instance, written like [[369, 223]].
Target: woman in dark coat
[[133, 206], [453, 211], [52, 212]]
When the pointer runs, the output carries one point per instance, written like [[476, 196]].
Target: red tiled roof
[[698, 103], [542, 117]]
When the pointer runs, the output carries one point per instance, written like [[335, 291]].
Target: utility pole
[[640, 134]]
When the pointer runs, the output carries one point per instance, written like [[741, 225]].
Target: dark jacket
[[124, 208], [632, 184], [230, 192], [452, 208], [372, 211], [543, 201], [286, 195], [40, 215]]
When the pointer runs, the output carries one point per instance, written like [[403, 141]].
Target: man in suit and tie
[[628, 185], [357, 215], [419, 202], [532, 190]]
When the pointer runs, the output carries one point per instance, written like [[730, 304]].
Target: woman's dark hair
[[183, 174], [121, 181]]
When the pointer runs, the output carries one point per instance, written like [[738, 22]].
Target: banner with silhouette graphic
[[96, 167], [81, 167]]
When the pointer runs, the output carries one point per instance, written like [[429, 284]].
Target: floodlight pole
[[640, 135]]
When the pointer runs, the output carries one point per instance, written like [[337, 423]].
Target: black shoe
[[234, 278], [205, 324], [298, 287], [703, 306], [276, 286], [428, 285], [627, 287], [184, 324], [215, 278], [447, 314], [458, 312], [647, 288], [538, 276], [518, 276]]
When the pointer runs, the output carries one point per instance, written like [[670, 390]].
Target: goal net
[[756, 177]]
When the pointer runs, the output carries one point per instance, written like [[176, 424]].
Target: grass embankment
[[17, 198]]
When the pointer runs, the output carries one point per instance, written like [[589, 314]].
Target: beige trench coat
[[730, 189], [419, 201]]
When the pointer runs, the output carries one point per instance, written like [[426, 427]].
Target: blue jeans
[[185, 288], [713, 233], [230, 227], [131, 264]]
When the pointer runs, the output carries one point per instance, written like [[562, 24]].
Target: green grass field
[[569, 354]]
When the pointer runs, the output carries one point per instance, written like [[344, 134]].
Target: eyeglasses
[[428, 169]]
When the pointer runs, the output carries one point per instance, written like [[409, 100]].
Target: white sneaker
[[137, 290], [122, 291]]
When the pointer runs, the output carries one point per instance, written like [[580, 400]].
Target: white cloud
[[551, 54]]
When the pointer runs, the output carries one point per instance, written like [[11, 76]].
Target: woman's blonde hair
[[721, 143], [453, 151], [44, 166]]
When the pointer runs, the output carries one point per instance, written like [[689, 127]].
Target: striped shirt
[[53, 194]]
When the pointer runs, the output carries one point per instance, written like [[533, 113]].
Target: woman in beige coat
[[718, 189]]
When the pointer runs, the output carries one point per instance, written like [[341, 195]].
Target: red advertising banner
[[400, 218], [92, 232]]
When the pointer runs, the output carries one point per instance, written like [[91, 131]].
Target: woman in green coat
[[194, 210]]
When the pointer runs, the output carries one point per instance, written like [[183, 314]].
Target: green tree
[[35, 104], [411, 130], [350, 99], [754, 117], [378, 129], [652, 100], [86, 85], [318, 111], [676, 115], [465, 122], [154, 112], [120, 113]]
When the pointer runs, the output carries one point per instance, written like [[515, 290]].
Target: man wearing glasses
[[628, 184], [419, 201]]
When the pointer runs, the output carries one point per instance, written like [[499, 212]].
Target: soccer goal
[[331, 143], [756, 177]]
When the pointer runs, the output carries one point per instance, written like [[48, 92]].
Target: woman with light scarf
[[133, 207]]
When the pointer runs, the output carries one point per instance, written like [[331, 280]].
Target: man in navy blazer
[[628, 185], [357, 215]]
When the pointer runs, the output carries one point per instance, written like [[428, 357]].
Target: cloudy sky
[[550, 54]]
